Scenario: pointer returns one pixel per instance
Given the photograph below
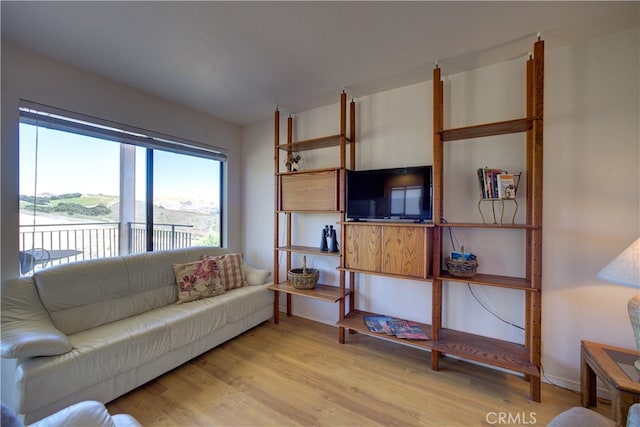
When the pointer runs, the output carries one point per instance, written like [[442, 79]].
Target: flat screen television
[[401, 194]]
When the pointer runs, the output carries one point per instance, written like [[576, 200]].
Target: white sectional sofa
[[96, 329]]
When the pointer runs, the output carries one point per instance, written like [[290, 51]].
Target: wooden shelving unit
[[311, 191], [414, 251], [368, 247], [526, 358]]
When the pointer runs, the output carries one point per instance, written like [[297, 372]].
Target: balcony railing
[[51, 244], [165, 236]]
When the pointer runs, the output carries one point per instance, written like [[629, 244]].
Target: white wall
[[591, 192], [26, 75]]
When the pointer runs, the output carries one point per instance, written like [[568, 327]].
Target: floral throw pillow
[[197, 280], [230, 270]]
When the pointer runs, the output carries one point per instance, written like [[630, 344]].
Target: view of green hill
[[104, 208]]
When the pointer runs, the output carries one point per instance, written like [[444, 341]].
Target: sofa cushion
[[198, 280], [117, 347], [86, 294], [579, 416], [230, 271], [88, 413], [98, 353], [243, 301]]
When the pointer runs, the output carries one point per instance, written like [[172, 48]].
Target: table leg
[[588, 382], [276, 307], [624, 403]]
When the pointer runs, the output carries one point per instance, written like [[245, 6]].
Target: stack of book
[[496, 184], [395, 327]]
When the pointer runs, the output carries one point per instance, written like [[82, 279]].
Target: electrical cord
[[483, 305], [454, 239]]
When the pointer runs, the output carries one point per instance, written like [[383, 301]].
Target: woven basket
[[303, 278], [462, 267]]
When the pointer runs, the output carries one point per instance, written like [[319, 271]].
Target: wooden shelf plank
[[389, 223], [313, 144], [504, 354], [379, 273], [311, 211], [308, 171], [312, 250], [492, 280], [320, 292], [483, 225], [488, 129], [354, 321]]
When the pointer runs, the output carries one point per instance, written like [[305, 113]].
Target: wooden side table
[[614, 367]]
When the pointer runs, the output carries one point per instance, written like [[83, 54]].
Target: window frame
[[66, 121]]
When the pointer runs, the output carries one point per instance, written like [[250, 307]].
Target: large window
[[90, 190]]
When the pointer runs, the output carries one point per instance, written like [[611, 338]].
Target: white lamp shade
[[625, 268]]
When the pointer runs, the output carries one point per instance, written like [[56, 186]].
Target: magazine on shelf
[[496, 183], [408, 330], [392, 326], [379, 324], [506, 186]]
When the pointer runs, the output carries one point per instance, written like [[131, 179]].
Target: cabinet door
[[362, 247], [404, 251], [310, 191]]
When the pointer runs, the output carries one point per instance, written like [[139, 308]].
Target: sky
[[71, 163]]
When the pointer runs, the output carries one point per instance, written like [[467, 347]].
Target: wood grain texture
[[296, 374], [312, 191], [362, 247], [403, 251], [488, 129]]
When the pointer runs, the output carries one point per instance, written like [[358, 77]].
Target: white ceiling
[[238, 60]]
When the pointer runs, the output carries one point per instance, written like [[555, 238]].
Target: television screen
[[394, 194]]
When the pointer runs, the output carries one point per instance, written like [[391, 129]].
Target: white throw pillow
[[255, 276]]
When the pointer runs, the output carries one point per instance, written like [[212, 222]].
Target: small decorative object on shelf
[[497, 185], [333, 240], [303, 278], [461, 264], [294, 160], [324, 239]]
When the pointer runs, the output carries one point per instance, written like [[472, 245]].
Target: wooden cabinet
[[387, 249], [398, 250], [310, 191]]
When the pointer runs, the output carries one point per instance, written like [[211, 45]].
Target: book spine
[[481, 182]]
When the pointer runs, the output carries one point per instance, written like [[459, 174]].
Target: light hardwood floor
[[297, 374]]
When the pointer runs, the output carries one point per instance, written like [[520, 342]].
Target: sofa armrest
[[25, 324], [87, 413]]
